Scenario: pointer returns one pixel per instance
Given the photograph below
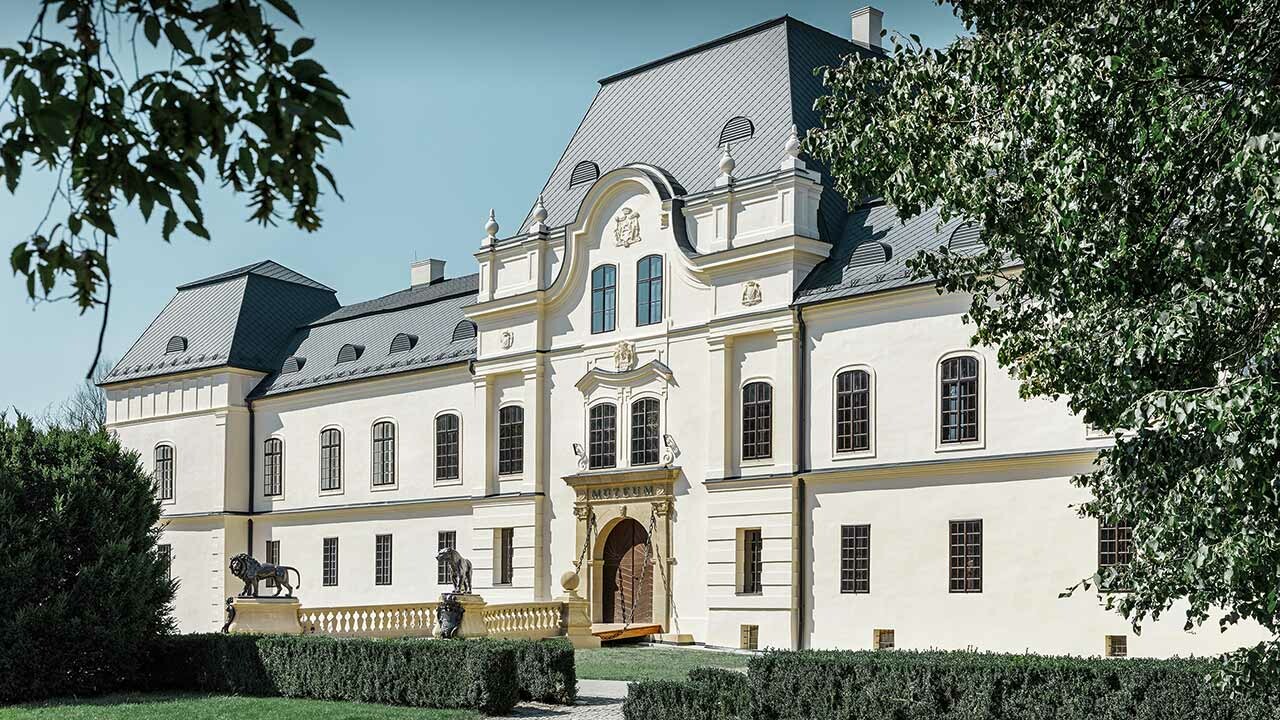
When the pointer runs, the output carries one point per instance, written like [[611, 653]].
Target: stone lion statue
[[251, 572], [459, 568]]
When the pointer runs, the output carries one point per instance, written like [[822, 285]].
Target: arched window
[[738, 128], [177, 343], [584, 172], [349, 353], [959, 399], [602, 436], [649, 290], [331, 459], [448, 463], [645, 431], [384, 453], [164, 471], [403, 342], [273, 467], [464, 330], [757, 421], [604, 298], [511, 440], [853, 411]]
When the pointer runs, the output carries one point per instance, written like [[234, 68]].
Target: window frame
[[750, 580], [383, 559], [633, 437], [966, 527], [649, 282], [511, 466], [602, 441], [165, 552], [858, 553], [271, 554], [607, 291], [340, 464], [456, 478], [855, 452], [169, 479], [392, 464], [756, 457], [267, 464], [1121, 554], [444, 571], [980, 404], [504, 557], [325, 580]]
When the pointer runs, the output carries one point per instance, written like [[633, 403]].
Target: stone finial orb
[[793, 145], [539, 212], [491, 227], [727, 163], [569, 581]]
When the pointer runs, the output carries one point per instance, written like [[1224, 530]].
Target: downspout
[[248, 403], [802, 428]]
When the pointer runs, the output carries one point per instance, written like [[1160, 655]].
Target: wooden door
[[626, 597]]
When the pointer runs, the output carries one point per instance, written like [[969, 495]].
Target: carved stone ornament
[[506, 339], [751, 294], [624, 356], [449, 616], [626, 228]]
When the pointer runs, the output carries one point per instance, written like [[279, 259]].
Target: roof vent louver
[[403, 342], [464, 330], [965, 237], [584, 172], [870, 252], [177, 343], [293, 364], [739, 128], [350, 353]]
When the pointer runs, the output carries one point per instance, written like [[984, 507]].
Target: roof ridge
[[701, 47], [463, 289], [256, 269]]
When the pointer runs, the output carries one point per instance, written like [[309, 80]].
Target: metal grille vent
[[584, 172], [870, 252], [739, 128], [177, 343], [403, 342], [349, 353], [293, 364], [464, 330], [966, 237]]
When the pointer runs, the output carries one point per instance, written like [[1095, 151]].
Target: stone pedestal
[[266, 616], [472, 615], [576, 620]]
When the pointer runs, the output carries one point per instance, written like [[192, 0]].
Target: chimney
[[425, 272], [866, 27]]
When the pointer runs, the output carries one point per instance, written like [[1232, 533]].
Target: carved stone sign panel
[[626, 228]]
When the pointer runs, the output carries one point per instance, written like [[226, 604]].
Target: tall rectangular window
[[445, 540], [966, 556], [511, 440], [273, 467], [649, 290], [853, 411], [330, 560], [448, 463], [855, 559], [506, 556], [166, 557], [331, 459], [602, 436], [645, 435], [384, 453], [1115, 543], [164, 471], [273, 558], [757, 421], [382, 560], [752, 561], [604, 298], [959, 399]]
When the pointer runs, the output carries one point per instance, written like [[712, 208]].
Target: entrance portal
[[627, 597]]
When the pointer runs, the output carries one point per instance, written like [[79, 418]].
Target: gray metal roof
[[855, 266], [239, 319], [263, 268], [669, 113]]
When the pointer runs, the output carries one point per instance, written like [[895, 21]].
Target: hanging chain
[[627, 617], [591, 526]]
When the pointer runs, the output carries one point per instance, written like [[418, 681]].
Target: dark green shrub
[[87, 591], [424, 673], [729, 688], [545, 669], [212, 663], [672, 700]]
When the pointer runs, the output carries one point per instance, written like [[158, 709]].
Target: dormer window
[[292, 365], [583, 173], [736, 130], [350, 353], [177, 343], [403, 342], [464, 330]]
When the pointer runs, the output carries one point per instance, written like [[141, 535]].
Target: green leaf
[[170, 224], [178, 38], [301, 45], [151, 29], [286, 9], [196, 229]]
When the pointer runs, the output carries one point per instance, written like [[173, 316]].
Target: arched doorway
[[628, 589]]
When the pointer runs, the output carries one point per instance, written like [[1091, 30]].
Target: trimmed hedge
[[788, 685], [485, 675]]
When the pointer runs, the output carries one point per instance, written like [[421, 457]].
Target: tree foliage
[[86, 590], [1123, 159], [226, 96]]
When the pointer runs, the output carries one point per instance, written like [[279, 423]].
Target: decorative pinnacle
[[727, 163], [539, 212], [793, 145], [491, 227]]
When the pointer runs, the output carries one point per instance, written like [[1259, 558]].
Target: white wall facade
[[727, 320]]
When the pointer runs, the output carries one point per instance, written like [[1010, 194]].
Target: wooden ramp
[[609, 632]]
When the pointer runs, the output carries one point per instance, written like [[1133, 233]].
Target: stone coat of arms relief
[[626, 228], [624, 356]]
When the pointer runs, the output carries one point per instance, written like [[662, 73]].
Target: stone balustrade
[[380, 621], [533, 620]]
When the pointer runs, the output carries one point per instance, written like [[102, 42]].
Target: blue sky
[[458, 107]]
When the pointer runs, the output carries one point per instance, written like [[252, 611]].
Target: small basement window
[[403, 342], [177, 343], [738, 128], [750, 637], [350, 353], [882, 639], [1117, 646]]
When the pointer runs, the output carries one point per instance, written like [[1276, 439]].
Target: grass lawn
[[637, 662], [179, 706]]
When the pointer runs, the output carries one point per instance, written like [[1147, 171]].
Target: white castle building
[[695, 368]]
